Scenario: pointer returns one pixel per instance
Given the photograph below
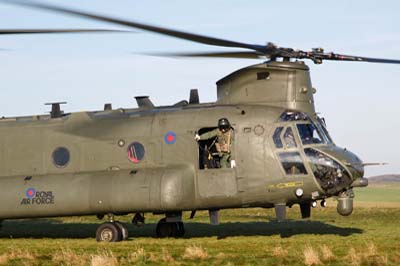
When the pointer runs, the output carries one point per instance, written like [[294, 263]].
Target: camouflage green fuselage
[[99, 178], [102, 174]]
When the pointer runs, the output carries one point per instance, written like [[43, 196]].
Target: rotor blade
[[44, 31], [147, 27], [238, 54], [270, 50], [366, 59], [318, 57]]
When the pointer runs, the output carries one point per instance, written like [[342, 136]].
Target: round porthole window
[[135, 152], [61, 157]]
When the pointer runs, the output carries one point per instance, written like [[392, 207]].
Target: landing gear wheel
[[181, 229], [123, 229], [108, 232], [165, 229]]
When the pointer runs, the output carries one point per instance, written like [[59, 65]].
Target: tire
[[180, 229], [123, 230], [165, 229], [108, 232]]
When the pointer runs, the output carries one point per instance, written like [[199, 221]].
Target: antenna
[[194, 96], [144, 102], [55, 109]]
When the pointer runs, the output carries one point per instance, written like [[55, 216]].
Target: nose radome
[[348, 159], [353, 164], [356, 170]]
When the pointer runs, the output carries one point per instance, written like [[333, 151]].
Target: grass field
[[386, 193], [370, 236]]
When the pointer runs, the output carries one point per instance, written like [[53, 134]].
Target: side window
[[135, 152], [292, 163], [277, 137], [289, 138], [61, 157]]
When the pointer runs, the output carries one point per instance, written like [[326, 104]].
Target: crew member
[[289, 138], [224, 142]]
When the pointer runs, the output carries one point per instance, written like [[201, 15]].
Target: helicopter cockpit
[[310, 132], [327, 161]]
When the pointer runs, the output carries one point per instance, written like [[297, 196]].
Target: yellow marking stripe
[[288, 185]]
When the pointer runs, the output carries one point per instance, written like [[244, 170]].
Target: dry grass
[[367, 257], [221, 256], [195, 252], [153, 257], [166, 256], [372, 250], [105, 258], [3, 259], [372, 256], [311, 256], [16, 254], [353, 257], [396, 258], [67, 257], [279, 252], [327, 254], [139, 256], [239, 241]]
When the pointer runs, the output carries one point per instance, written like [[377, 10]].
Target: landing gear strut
[[112, 231], [138, 219], [169, 229]]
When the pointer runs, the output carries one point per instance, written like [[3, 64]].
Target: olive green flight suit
[[225, 145]]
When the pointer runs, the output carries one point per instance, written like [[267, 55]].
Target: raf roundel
[[30, 193], [170, 137]]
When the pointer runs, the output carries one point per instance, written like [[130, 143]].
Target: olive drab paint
[[152, 159], [146, 160], [280, 84]]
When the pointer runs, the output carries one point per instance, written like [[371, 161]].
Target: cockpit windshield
[[293, 116], [311, 131], [322, 127], [309, 134]]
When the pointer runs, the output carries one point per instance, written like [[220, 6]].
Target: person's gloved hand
[[197, 137], [233, 164]]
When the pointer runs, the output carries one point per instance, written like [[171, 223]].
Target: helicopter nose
[[348, 159], [356, 169], [353, 164], [334, 168]]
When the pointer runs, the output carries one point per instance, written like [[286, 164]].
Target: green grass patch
[[370, 236], [388, 192]]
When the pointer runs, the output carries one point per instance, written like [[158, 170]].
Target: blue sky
[[360, 101]]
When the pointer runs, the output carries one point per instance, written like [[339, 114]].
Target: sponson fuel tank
[[280, 84]]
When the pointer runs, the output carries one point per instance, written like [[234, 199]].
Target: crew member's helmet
[[223, 124]]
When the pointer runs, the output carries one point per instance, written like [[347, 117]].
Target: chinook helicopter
[[146, 160]]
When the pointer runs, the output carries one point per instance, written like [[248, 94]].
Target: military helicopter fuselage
[[146, 159], [153, 159]]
